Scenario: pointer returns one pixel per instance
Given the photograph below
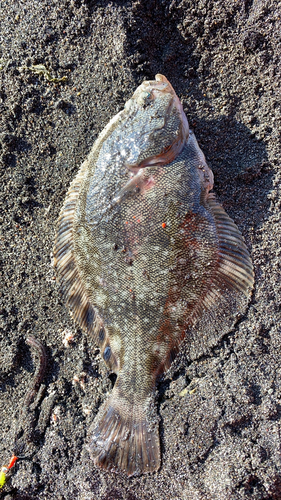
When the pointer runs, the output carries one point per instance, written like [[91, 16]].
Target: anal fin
[[229, 289]]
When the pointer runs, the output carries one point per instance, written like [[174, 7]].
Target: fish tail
[[125, 436]]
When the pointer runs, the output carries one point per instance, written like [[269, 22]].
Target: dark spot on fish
[[145, 273], [113, 378], [90, 316], [101, 334], [115, 247], [107, 353], [173, 355]]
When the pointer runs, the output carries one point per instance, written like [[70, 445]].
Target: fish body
[[146, 257]]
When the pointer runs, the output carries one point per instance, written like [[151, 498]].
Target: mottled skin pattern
[[146, 258]]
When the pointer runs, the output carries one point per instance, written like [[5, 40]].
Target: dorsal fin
[[70, 282], [71, 286], [65, 264]]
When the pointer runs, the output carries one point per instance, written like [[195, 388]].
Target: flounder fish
[[146, 257]]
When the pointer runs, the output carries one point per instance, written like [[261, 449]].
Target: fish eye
[[147, 98]]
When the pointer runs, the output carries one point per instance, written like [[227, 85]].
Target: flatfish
[[146, 257]]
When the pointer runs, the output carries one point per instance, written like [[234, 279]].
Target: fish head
[[155, 126]]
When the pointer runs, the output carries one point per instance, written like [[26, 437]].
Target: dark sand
[[221, 439]]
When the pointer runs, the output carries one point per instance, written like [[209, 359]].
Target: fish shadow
[[243, 175], [158, 43]]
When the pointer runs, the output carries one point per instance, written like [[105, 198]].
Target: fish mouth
[[151, 89], [155, 88], [160, 86]]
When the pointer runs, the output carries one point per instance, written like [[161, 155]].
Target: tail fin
[[125, 437]]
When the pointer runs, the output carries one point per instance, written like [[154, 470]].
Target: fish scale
[[146, 258]]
